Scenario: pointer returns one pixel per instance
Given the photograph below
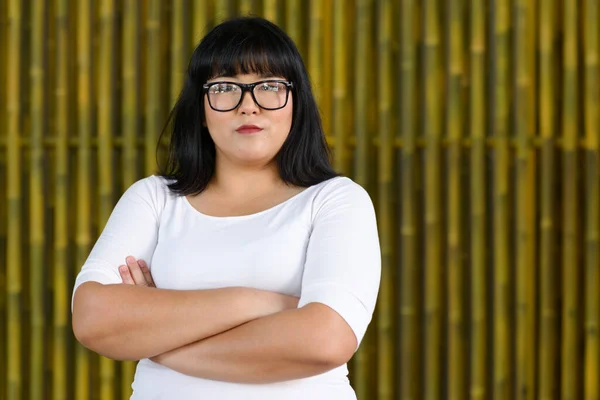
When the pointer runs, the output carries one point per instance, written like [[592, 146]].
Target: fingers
[[146, 272], [126, 275], [136, 272]]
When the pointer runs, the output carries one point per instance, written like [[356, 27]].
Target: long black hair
[[240, 46]]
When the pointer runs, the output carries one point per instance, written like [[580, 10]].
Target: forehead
[[246, 78]]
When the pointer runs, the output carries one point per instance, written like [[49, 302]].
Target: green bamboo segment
[[363, 361], [61, 305], [478, 390], [106, 119], [432, 134], [270, 10], [315, 48], [457, 338], [294, 16], [525, 243], [179, 48], [502, 319], [37, 78], [3, 197], [591, 105], [409, 301], [14, 295], [340, 95], [200, 17], [571, 310], [548, 328], [152, 114], [385, 338], [84, 130], [327, 70]]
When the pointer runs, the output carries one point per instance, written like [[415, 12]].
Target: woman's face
[[248, 147]]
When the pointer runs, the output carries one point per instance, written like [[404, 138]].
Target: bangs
[[261, 53]]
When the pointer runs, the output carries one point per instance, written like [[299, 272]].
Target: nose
[[248, 106]]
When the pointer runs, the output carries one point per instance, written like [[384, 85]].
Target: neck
[[237, 180]]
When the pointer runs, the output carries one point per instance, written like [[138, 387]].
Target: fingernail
[[130, 260], [123, 268]]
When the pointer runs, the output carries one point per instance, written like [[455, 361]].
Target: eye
[[270, 86], [223, 88]]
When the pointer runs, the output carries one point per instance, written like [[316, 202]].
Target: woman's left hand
[[136, 272]]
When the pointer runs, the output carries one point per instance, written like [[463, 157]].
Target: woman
[[263, 265]]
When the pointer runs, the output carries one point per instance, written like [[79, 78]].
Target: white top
[[320, 245]]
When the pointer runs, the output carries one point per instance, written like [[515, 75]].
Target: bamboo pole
[[14, 261], [499, 110], [525, 243], [591, 106], [270, 10], [409, 301], [479, 389], [432, 131], [315, 48], [179, 47], [571, 310], [548, 341], [61, 306], [294, 16], [223, 10], [245, 7], [364, 361], [385, 339], [457, 339], [153, 88], [106, 119], [200, 18], [84, 128], [36, 201], [3, 196], [326, 98], [340, 94]]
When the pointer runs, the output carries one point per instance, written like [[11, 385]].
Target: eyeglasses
[[268, 95]]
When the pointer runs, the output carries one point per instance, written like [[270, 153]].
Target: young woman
[[248, 268]]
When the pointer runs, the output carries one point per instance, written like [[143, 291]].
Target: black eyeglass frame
[[249, 87]]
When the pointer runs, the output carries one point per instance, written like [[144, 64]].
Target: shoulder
[[341, 194], [152, 191]]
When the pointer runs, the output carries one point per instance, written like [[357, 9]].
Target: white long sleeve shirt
[[320, 245]]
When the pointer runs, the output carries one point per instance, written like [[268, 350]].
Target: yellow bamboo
[[223, 10], [36, 201], [61, 306], [270, 10], [591, 89], [457, 338], [14, 388], [571, 310], [153, 89], [200, 17], [548, 356], [479, 389], [179, 48], [245, 7], [106, 119], [84, 128], [385, 339], [294, 16], [409, 302], [340, 94], [499, 110], [326, 98], [315, 48], [432, 130], [3, 196], [525, 243]]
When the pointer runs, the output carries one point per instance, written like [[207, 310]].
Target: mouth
[[248, 129]]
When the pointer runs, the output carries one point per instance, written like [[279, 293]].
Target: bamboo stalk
[[245, 7], [479, 389], [61, 305], [326, 98], [570, 381], [409, 301], [106, 119], [179, 47], [431, 130], [592, 228], [499, 110], [293, 22], [200, 17], [36, 201], [385, 338], [83, 239], [457, 340], [223, 10], [14, 261], [270, 10], [315, 48], [3, 196], [548, 341], [153, 89], [340, 95], [364, 361], [525, 243]]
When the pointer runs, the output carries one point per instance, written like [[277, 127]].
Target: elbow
[[341, 348]]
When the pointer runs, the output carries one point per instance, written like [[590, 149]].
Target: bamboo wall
[[473, 124]]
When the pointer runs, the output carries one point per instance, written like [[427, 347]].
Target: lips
[[247, 129]]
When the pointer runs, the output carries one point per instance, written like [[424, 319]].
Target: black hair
[[239, 46]]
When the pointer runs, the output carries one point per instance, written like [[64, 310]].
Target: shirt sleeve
[[343, 260], [131, 230]]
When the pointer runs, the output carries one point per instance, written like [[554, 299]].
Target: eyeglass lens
[[227, 96]]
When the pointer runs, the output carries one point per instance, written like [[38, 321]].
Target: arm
[[288, 345], [339, 290], [108, 319]]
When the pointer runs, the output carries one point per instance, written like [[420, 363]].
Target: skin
[[291, 343]]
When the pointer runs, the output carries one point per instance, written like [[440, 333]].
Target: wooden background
[[473, 124]]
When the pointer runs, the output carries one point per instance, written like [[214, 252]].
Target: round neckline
[[247, 216]]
